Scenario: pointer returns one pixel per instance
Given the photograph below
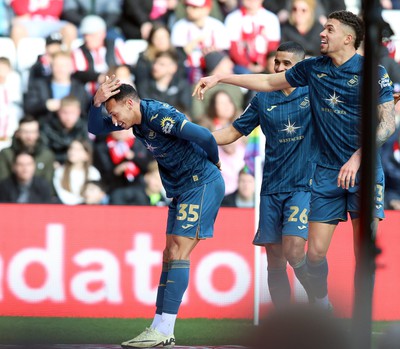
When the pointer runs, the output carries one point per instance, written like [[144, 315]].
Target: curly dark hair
[[353, 21]]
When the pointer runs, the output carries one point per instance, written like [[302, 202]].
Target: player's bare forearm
[[256, 82], [226, 135], [386, 123]]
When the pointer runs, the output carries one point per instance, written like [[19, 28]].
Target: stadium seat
[[133, 47], [28, 51], [8, 50]]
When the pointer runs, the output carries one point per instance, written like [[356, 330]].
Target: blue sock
[[176, 285], [318, 277], [279, 287], [161, 288], [301, 272]]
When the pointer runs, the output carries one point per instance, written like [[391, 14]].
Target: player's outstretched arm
[[226, 135], [256, 82], [386, 122]]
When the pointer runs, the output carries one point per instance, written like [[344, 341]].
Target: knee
[[315, 255], [294, 252]]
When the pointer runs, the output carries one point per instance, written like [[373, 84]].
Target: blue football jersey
[[335, 97], [286, 122], [183, 165]]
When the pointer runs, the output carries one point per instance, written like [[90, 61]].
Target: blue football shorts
[[330, 203], [283, 214], [192, 214]]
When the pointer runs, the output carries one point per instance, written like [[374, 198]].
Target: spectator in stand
[[69, 179], [282, 8], [135, 21], [67, 126], [28, 138], [219, 8], [165, 84], [95, 193], [159, 40], [390, 4], [94, 57], [253, 32], [387, 39], [75, 11], [123, 73], [152, 193], [217, 62], [39, 19], [42, 67], [197, 34], [22, 186], [244, 196], [120, 159], [222, 110], [6, 14], [44, 98], [10, 102], [303, 26], [232, 161]]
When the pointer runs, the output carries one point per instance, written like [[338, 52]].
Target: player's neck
[[342, 57], [288, 91]]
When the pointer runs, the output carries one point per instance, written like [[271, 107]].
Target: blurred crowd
[[162, 47]]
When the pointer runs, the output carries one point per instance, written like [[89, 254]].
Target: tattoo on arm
[[386, 123]]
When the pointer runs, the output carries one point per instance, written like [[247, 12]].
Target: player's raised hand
[[108, 88], [205, 84], [396, 97]]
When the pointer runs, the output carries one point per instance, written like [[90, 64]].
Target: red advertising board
[[104, 261]]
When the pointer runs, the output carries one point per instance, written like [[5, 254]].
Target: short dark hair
[[293, 47], [353, 21], [125, 91], [22, 152], [28, 118]]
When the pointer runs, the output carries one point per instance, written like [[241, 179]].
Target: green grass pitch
[[188, 332]]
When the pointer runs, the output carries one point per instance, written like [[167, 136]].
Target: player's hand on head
[[203, 85], [108, 88]]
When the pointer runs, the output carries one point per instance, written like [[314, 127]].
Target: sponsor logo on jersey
[[322, 75], [385, 81], [334, 100], [153, 117], [290, 128], [272, 107], [166, 124], [149, 147]]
